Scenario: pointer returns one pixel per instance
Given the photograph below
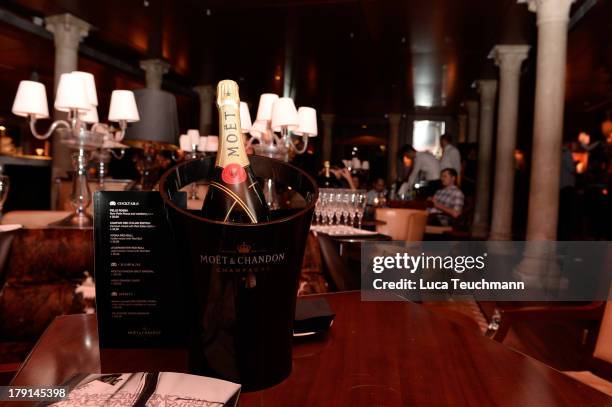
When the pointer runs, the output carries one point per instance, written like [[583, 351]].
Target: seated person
[[425, 167], [379, 189], [447, 202]]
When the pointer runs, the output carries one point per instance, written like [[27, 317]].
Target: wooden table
[[376, 354]]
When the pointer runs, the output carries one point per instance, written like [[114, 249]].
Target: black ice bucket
[[241, 280]]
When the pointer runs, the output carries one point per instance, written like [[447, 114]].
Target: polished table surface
[[376, 354]]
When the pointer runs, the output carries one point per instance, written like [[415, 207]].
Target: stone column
[[487, 89], [552, 20], [472, 108], [462, 120], [207, 100], [328, 124], [68, 31], [154, 72], [509, 59], [394, 124]]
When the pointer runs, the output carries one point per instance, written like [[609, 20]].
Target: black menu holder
[[139, 299]]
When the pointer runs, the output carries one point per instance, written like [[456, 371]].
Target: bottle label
[[231, 146], [233, 174]]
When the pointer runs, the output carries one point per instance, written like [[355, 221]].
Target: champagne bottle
[[326, 180], [234, 194]]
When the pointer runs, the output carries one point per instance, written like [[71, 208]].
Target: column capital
[[68, 30], [204, 91], [394, 118], [549, 10], [328, 118], [154, 71], [509, 57]]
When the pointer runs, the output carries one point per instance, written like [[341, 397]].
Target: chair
[[601, 362], [336, 268], [43, 269], [506, 314], [402, 224]]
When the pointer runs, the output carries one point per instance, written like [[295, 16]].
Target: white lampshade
[[31, 99], [245, 118], [90, 86], [184, 143], [264, 110], [284, 114], [194, 136], [202, 143], [90, 116], [307, 118], [259, 128], [123, 107], [71, 93], [212, 144], [365, 165]]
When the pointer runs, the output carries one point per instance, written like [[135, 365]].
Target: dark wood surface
[[376, 354]]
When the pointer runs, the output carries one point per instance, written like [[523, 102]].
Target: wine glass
[[361, 201], [318, 209], [4, 190], [338, 206], [352, 207], [346, 200]]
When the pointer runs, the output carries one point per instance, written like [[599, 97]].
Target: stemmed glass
[[318, 209], [352, 207], [346, 199], [328, 208], [338, 206], [4, 190], [360, 201]]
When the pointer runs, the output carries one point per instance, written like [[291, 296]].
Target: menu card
[[138, 292]]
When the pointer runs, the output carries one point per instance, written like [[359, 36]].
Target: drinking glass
[[361, 200], [338, 206], [346, 199], [4, 190]]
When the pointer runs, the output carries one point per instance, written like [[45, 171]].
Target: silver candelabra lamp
[[76, 95]]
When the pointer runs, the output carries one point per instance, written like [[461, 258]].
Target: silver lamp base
[[74, 221]]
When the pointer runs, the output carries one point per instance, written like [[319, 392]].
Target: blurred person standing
[[425, 167], [451, 157]]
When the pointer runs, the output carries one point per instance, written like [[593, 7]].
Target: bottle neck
[[231, 148]]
